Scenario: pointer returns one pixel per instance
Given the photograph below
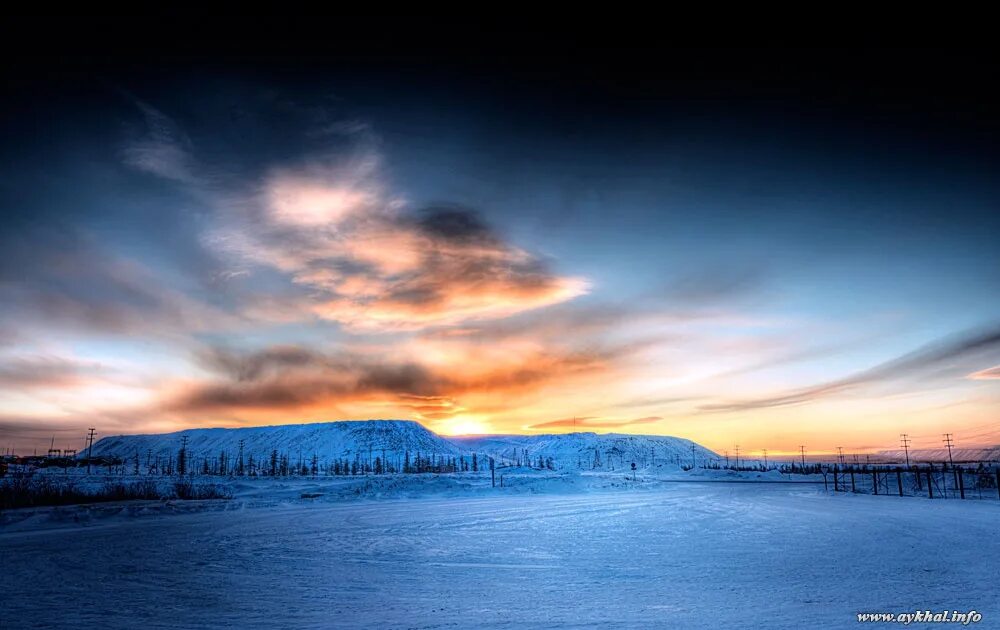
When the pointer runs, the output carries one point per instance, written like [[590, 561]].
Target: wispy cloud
[[591, 422], [47, 371], [64, 277], [988, 374], [161, 148], [942, 358]]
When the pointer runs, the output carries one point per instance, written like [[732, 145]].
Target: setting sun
[[464, 425]]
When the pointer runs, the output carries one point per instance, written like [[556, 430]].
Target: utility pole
[[904, 440], [727, 458], [765, 459], [737, 455], [840, 454], [90, 447], [692, 457], [949, 442], [802, 452], [182, 457]]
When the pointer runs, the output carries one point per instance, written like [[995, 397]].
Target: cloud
[[591, 422], [327, 220], [47, 371], [932, 361], [293, 377], [988, 374], [374, 267], [162, 149], [716, 284], [63, 276]]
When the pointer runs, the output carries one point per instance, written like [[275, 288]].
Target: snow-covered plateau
[[394, 439]]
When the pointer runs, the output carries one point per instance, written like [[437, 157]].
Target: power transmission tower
[[727, 458], [840, 454], [737, 455], [949, 442], [765, 459], [692, 457], [904, 440], [90, 447]]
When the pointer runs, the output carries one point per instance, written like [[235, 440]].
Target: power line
[[90, 447], [949, 442]]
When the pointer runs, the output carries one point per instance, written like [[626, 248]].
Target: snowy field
[[691, 555]]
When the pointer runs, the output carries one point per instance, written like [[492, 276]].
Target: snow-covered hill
[[326, 440], [586, 451], [368, 439], [982, 454]]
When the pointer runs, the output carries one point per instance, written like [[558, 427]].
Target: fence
[[933, 482]]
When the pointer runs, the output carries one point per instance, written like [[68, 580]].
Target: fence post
[[899, 481], [852, 480], [874, 482], [930, 485], [961, 482], [998, 482], [836, 485]]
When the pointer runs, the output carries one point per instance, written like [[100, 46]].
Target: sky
[[492, 230]]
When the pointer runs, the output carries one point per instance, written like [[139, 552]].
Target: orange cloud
[[586, 423], [291, 378], [374, 267]]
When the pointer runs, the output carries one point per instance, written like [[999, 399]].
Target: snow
[[554, 550], [326, 440]]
